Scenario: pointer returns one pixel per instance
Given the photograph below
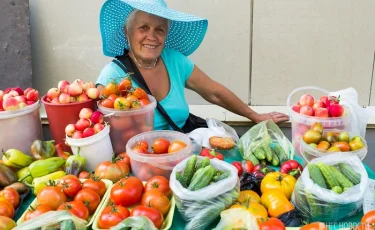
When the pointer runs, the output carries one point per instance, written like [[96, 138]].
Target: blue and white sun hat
[[185, 34]]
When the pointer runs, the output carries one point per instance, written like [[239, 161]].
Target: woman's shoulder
[[172, 53], [109, 71]]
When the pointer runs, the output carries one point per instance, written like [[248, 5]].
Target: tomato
[[76, 208], [107, 103], [112, 215], [70, 184], [318, 127], [145, 171], [331, 137], [238, 166], [156, 199], [112, 97], [7, 223], [110, 88], [139, 93], [140, 149], [247, 196], [160, 145], [40, 209], [306, 100], [321, 112], [136, 104], [272, 224], [306, 110], [152, 213], [314, 226], [131, 98], [121, 104], [311, 136], [278, 181], [96, 184], [247, 166], [111, 171], [127, 191], [142, 143], [88, 197], [52, 196], [355, 145], [256, 209], [123, 157], [160, 183], [11, 195], [6, 209], [125, 86], [176, 146], [344, 146], [344, 136], [144, 102], [84, 175]]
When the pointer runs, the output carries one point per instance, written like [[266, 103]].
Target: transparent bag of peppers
[[201, 207]]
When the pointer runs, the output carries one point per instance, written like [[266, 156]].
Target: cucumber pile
[[338, 178], [198, 175], [272, 154]]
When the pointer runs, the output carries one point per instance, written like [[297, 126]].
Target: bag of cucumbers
[[265, 143], [202, 188], [331, 189]]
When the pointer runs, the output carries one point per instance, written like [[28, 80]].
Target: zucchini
[[260, 154], [202, 178], [202, 163], [343, 181], [189, 169], [316, 175], [348, 171], [327, 174]]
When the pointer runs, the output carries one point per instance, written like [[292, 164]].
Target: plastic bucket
[[125, 124], [61, 115], [19, 128], [95, 149], [145, 166], [301, 123]]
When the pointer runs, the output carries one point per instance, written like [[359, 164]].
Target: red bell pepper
[[238, 165], [211, 153], [291, 167]]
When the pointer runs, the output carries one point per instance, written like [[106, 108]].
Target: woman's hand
[[275, 116]]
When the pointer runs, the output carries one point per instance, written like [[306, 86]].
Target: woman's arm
[[218, 94]]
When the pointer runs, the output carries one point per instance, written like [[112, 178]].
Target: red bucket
[[61, 115]]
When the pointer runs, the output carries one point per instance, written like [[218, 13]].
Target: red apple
[[20, 99], [14, 93], [88, 132], [32, 102], [307, 110], [73, 99], [32, 95], [74, 89], [98, 127], [77, 135], [93, 93], [22, 104], [81, 83], [306, 99], [90, 85], [321, 112], [82, 124], [19, 90], [2, 93], [26, 91], [1, 106], [56, 101], [97, 117], [85, 113], [10, 104], [53, 93], [62, 85], [6, 96], [296, 108], [82, 97], [323, 99], [64, 98], [319, 104], [69, 130]]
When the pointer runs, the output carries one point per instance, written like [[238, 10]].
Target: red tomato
[[142, 143], [7, 223], [84, 175], [144, 102], [95, 184], [145, 172], [52, 196], [76, 208], [140, 93], [247, 166], [6, 209], [131, 98], [238, 166], [272, 224], [123, 157], [107, 103], [321, 112], [156, 199], [37, 211], [152, 213], [112, 97], [125, 86], [127, 191], [89, 198], [140, 149], [121, 104], [307, 100], [70, 184], [160, 145], [136, 104], [11, 195], [367, 221], [314, 226], [160, 183], [307, 110], [112, 215], [111, 171], [176, 146]]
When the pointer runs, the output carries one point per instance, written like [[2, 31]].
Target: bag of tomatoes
[[331, 188], [214, 186], [53, 219]]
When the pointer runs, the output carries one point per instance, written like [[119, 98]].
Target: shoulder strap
[[127, 64]]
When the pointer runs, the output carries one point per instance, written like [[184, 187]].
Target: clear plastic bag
[[262, 134], [135, 223], [315, 203], [237, 218], [201, 207], [52, 220]]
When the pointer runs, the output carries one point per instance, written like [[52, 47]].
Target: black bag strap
[[128, 66]]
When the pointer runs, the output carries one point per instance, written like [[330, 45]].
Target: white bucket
[[96, 149]]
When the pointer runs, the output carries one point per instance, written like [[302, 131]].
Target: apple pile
[[15, 98], [89, 124], [77, 91], [123, 96], [326, 106]]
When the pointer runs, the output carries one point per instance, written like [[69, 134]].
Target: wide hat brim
[[185, 35]]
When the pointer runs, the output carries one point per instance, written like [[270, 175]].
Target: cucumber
[[253, 159], [67, 225], [275, 160], [328, 176], [203, 219], [316, 175], [343, 181], [222, 176], [202, 163], [280, 153], [181, 179], [267, 149], [352, 175], [202, 178], [189, 169], [260, 154]]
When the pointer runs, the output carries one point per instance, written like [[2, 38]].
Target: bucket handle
[[109, 114], [300, 89]]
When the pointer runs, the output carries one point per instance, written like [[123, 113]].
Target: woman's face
[[147, 34]]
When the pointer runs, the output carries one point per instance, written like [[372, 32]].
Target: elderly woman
[[157, 40]]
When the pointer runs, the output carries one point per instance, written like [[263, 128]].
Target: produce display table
[[179, 224]]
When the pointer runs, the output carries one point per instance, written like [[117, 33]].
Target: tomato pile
[[129, 197], [159, 146], [326, 106]]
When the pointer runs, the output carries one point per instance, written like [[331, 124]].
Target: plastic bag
[[237, 218], [262, 134], [201, 207], [315, 203], [359, 115], [52, 220], [135, 223]]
